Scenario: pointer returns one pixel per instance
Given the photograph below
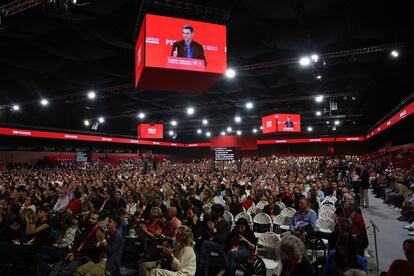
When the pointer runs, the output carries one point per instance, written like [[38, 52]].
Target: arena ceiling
[[60, 56]]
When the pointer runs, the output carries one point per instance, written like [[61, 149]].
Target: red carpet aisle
[[390, 239]]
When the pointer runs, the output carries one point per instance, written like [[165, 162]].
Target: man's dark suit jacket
[[288, 124], [196, 50]]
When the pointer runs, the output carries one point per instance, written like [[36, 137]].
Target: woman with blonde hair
[[183, 258]]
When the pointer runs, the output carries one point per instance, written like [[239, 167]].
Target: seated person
[[272, 209], [155, 227], [182, 259], [172, 223], [404, 267], [113, 248], [240, 242], [358, 225], [294, 261], [85, 248], [305, 218], [235, 207], [284, 196], [196, 226], [345, 257]]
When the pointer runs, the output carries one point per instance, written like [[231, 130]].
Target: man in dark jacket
[[187, 47], [364, 188]]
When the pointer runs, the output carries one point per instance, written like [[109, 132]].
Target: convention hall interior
[[206, 138]]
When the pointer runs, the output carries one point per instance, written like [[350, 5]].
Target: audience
[[404, 267], [294, 261]]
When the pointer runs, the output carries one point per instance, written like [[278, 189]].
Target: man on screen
[[188, 48], [288, 123]]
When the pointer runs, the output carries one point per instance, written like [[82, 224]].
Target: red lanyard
[[289, 269]]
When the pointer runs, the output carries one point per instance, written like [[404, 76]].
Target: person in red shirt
[[75, 206], [404, 267], [358, 225]]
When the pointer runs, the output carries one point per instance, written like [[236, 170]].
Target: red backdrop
[[242, 142]]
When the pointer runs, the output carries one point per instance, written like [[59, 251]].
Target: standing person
[[364, 188], [404, 267], [355, 182]]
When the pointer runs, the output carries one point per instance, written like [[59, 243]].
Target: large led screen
[[288, 122], [185, 44], [269, 124], [147, 131]]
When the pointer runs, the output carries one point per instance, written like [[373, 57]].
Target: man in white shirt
[[63, 200]]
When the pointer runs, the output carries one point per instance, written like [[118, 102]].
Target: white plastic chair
[[288, 212], [281, 205], [253, 210], [246, 216], [263, 219], [228, 217], [261, 205], [282, 222], [327, 214], [325, 225], [219, 200], [267, 248], [327, 207], [330, 199]]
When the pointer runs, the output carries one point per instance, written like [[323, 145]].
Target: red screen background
[[282, 118], [163, 31], [144, 133], [140, 54], [269, 124]]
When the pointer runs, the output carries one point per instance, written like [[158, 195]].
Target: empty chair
[[327, 214], [267, 249], [262, 223], [213, 261], [327, 207], [254, 266], [325, 225], [288, 212], [261, 205], [280, 223]]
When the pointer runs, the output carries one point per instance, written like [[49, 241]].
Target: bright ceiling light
[[205, 122], [173, 122], [229, 129], [208, 133], [171, 133], [44, 102], [223, 133], [395, 53], [318, 113], [91, 95], [190, 110], [16, 107], [249, 105], [141, 115], [239, 132], [327, 122], [255, 130], [237, 119], [319, 77], [319, 99], [304, 61], [337, 122], [261, 127], [314, 58], [310, 128], [101, 119], [199, 131], [230, 73], [86, 123]]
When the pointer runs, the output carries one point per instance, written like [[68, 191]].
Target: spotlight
[[86, 123], [314, 58], [304, 61], [101, 119], [223, 133], [337, 122], [395, 53], [327, 122], [353, 98], [229, 129], [319, 77], [249, 105], [239, 132], [16, 107], [173, 123], [261, 127], [205, 122], [318, 113], [141, 115], [199, 131], [333, 127], [171, 133], [208, 133], [230, 73], [237, 119], [310, 128], [319, 99], [190, 110], [91, 95], [255, 130], [44, 102]]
